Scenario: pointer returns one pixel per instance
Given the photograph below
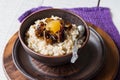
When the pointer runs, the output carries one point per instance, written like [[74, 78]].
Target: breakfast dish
[[54, 37]]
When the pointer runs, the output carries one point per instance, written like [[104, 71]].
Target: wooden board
[[107, 73]]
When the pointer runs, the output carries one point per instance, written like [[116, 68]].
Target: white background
[[10, 10]]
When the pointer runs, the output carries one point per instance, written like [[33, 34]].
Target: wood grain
[[107, 73], [10, 70]]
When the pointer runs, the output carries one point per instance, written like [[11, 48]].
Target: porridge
[[53, 36]]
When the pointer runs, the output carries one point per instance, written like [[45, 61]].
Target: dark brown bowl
[[65, 15]]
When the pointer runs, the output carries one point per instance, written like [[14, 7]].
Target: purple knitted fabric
[[98, 16]]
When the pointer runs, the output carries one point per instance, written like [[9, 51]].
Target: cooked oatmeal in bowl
[[53, 36]]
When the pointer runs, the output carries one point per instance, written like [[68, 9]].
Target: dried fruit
[[53, 31]]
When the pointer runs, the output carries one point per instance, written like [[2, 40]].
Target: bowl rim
[[41, 55]]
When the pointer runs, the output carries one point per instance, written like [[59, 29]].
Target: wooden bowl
[[66, 16]]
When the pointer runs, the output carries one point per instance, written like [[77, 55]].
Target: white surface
[[10, 10]]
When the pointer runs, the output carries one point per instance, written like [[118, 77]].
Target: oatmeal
[[52, 36]]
